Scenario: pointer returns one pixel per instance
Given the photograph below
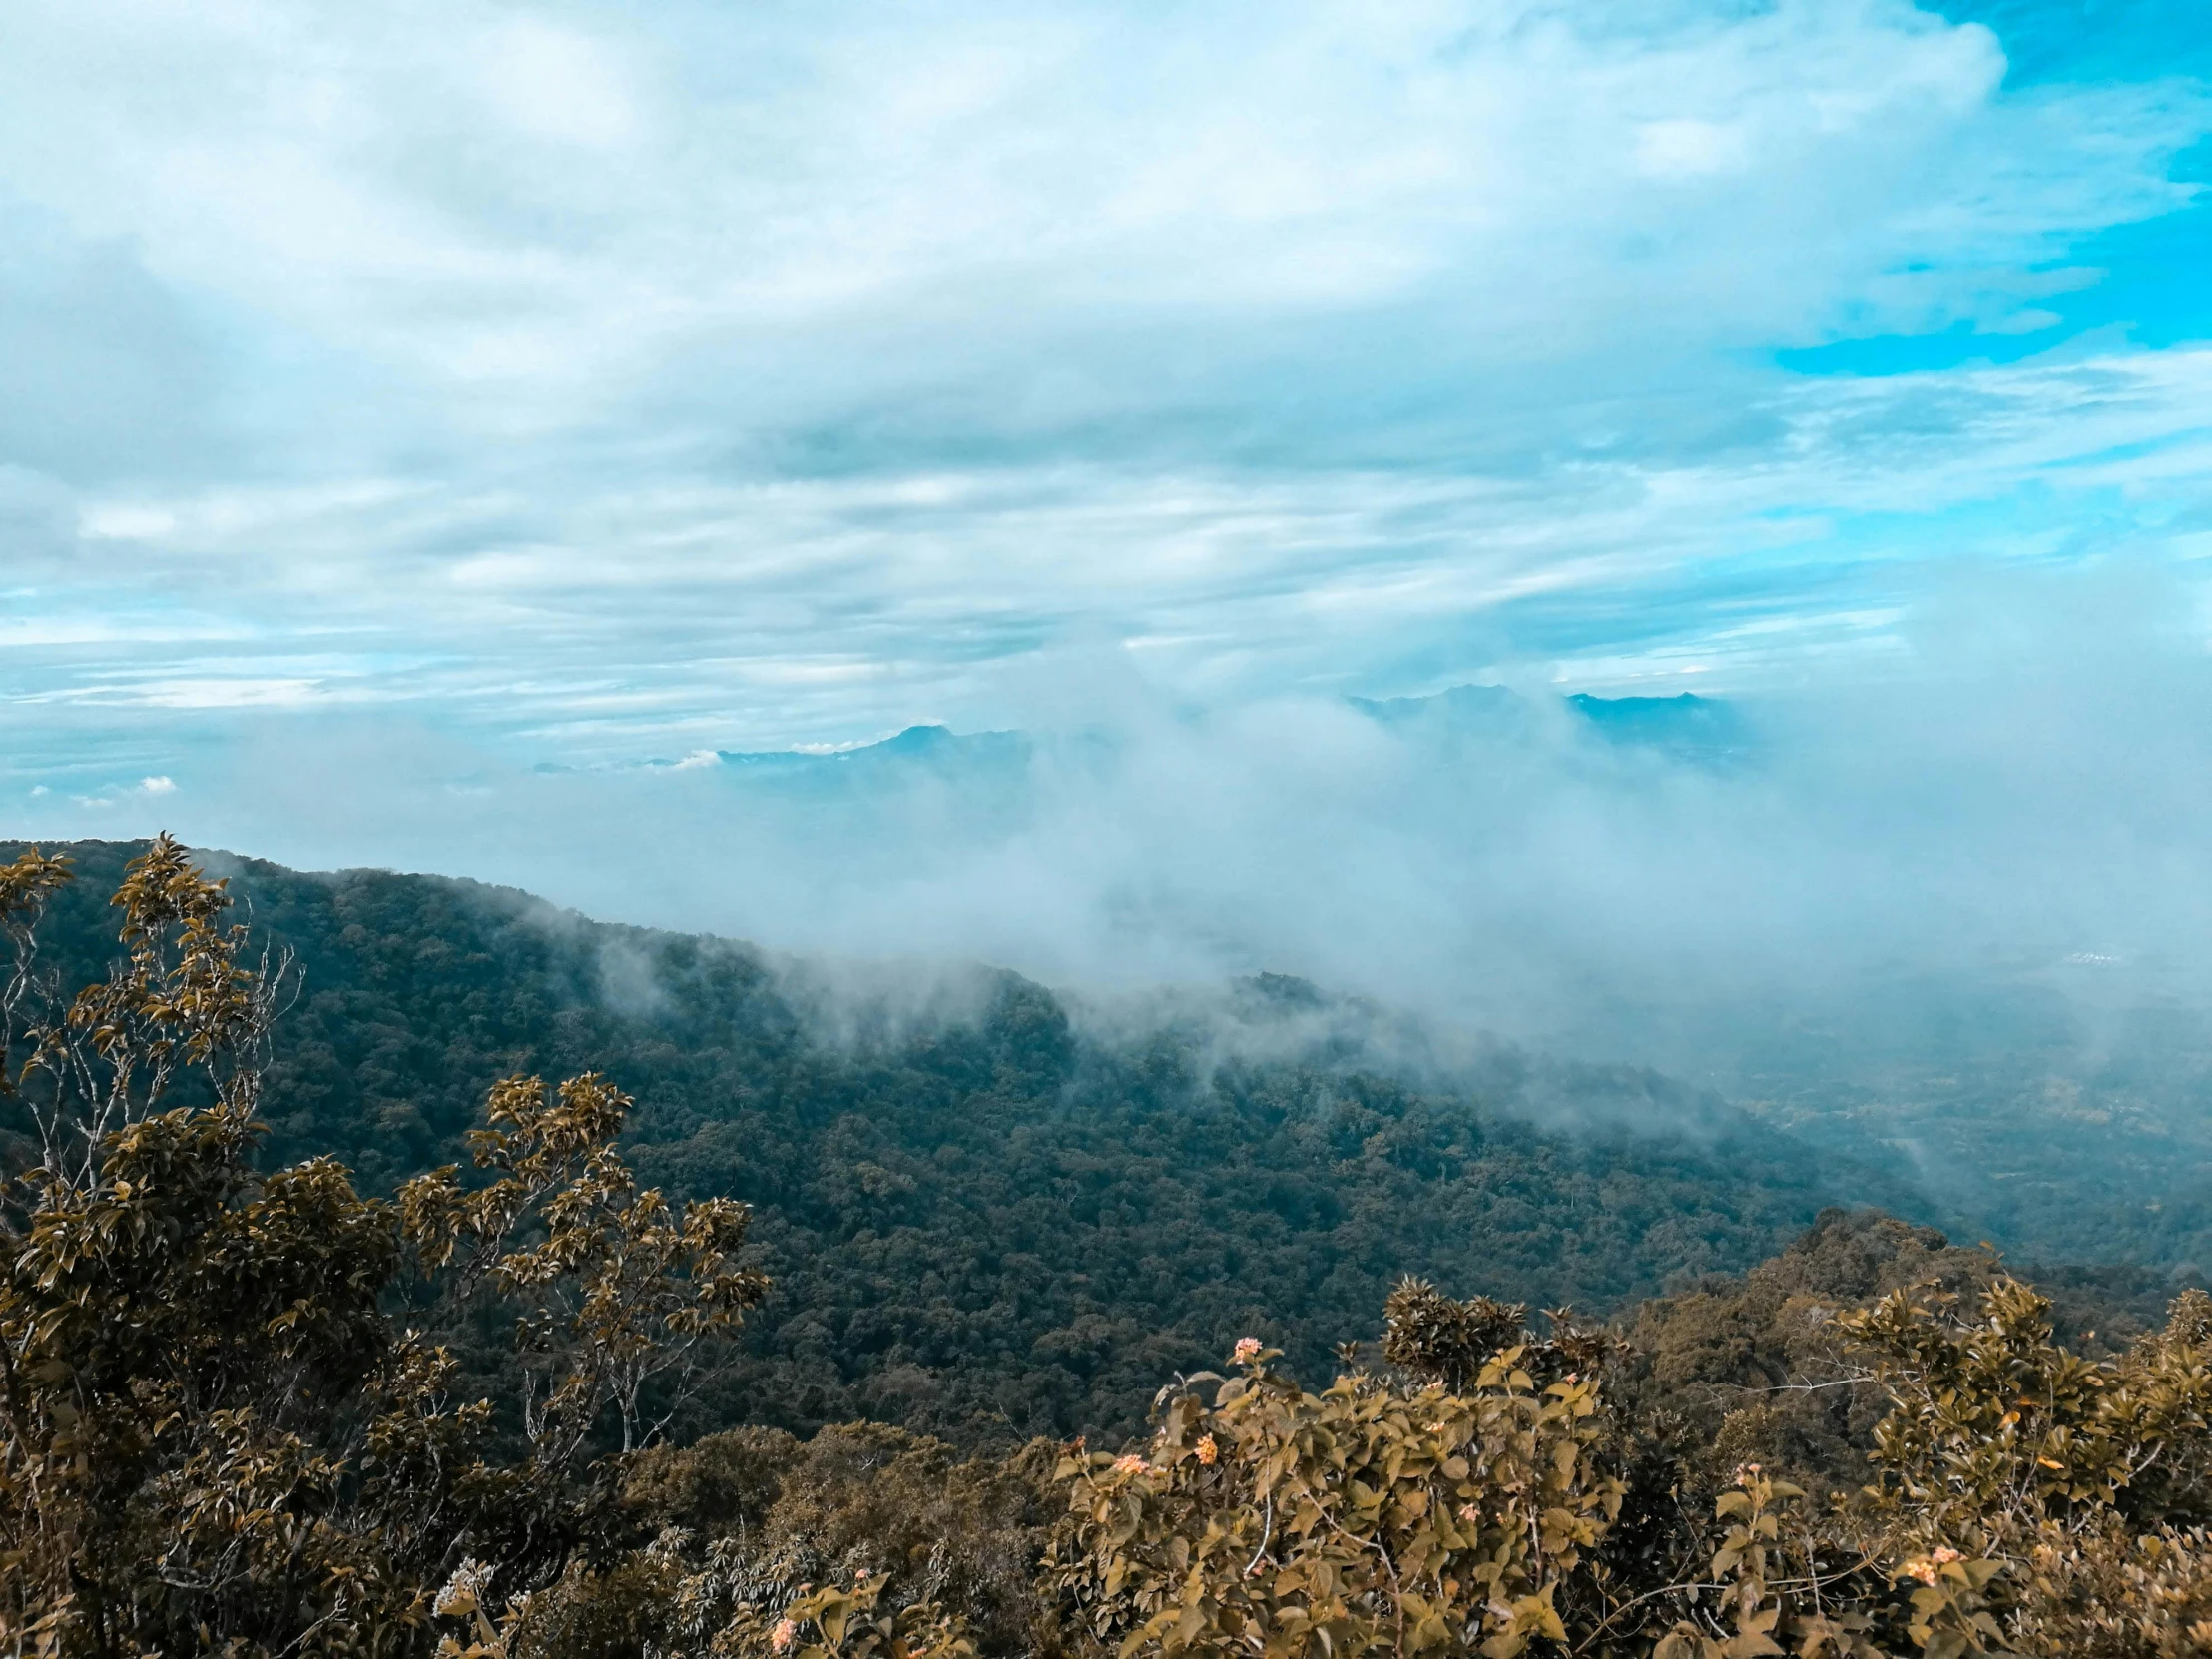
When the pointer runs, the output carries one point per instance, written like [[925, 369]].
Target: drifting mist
[[2019, 798]]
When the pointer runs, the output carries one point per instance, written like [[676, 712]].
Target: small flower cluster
[[464, 1591], [1208, 1451], [1130, 1463], [1926, 1567], [782, 1637]]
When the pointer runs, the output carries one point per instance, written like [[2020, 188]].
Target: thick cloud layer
[[2022, 801], [591, 382], [436, 437]]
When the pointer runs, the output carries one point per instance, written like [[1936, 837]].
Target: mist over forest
[[1947, 918], [1079, 831]]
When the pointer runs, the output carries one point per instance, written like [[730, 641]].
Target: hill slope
[[985, 1217]]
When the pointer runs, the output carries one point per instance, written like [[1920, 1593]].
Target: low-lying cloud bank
[[2022, 799]]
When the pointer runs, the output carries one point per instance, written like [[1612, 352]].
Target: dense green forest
[[985, 1219], [249, 1407]]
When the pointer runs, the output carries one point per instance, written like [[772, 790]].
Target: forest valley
[[259, 1403]]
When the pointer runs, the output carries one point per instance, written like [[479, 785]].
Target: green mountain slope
[[985, 1218]]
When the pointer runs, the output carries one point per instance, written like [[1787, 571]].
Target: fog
[[1945, 902], [2013, 795]]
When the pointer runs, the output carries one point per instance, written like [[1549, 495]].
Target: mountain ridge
[[1685, 724], [989, 1215]]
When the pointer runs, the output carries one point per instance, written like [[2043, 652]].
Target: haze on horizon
[[428, 428]]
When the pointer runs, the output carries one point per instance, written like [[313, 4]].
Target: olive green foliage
[[862, 1502], [1398, 1512], [1995, 1426], [1438, 1340], [864, 1541], [1364, 1517], [2020, 1458], [628, 1287], [2025, 1499], [2115, 1593], [1756, 1369], [846, 1623], [998, 1221], [236, 1417], [216, 1432]]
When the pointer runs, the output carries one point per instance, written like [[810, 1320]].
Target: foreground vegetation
[[237, 1420]]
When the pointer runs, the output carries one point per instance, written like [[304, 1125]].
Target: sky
[[399, 403]]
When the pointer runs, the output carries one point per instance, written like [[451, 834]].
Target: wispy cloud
[[602, 382]]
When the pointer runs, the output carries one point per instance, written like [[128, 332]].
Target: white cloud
[[1687, 147], [122, 521], [2030, 783], [555, 82], [741, 375], [743, 615], [920, 187]]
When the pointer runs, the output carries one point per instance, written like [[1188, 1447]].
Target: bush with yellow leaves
[[2024, 1500], [1371, 1516]]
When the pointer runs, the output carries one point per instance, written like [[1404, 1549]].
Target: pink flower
[[1928, 1567], [1247, 1349], [782, 1637], [1130, 1463]]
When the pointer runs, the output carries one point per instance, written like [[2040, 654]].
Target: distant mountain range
[[931, 746], [1685, 727]]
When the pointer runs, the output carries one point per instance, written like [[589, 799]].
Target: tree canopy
[[237, 1417], [997, 1217]]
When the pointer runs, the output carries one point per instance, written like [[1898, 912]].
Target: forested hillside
[[985, 1218], [247, 1408]]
